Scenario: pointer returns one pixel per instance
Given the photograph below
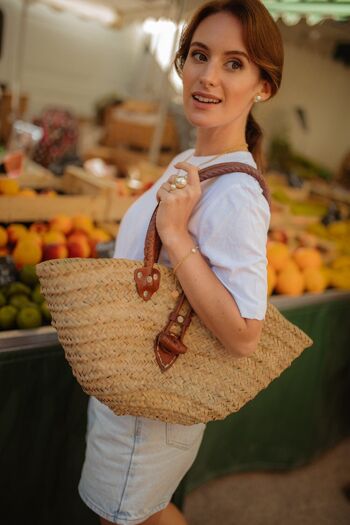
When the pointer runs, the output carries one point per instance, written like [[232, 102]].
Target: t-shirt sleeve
[[233, 236]]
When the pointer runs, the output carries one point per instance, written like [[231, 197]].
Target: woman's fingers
[[192, 173], [164, 190], [192, 183]]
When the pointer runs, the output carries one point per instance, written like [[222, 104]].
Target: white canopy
[[121, 12]]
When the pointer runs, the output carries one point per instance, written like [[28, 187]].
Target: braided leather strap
[[169, 345]]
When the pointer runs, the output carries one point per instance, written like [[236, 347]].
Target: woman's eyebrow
[[233, 52]]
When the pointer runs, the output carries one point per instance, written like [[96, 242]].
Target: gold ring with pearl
[[180, 182], [172, 187]]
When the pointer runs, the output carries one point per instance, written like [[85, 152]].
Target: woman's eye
[[199, 56], [234, 64]]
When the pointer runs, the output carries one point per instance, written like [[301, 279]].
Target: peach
[[82, 222], [78, 248], [61, 223], [15, 232], [278, 236], [39, 227], [55, 251], [93, 252], [54, 237], [3, 236], [307, 258], [78, 236], [277, 254], [26, 252]]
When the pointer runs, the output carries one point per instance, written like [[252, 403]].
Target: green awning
[[313, 10]]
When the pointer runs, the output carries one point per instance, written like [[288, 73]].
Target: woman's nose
[[209, 75]]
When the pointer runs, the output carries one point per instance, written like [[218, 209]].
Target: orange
[[277, 254], [290, 282]]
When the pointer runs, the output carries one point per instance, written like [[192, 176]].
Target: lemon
[[29, 317], [7, 317]]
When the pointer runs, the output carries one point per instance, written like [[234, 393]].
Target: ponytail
[[254, 136]]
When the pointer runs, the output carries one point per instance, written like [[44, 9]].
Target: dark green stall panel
[[43, 420]]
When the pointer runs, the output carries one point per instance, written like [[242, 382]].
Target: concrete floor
[[310, 495]]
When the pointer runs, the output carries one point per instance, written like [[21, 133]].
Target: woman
[[230, 57]]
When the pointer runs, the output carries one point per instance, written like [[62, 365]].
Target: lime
[[19, 300], [2, 299], [29, 317], [28, 275], [46, 312], [18, 288], [7, 317], [5, 289], [37, 296]]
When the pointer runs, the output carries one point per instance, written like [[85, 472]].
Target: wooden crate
[[37, 177], [132, 124], [43, 208], [79, 181], [122, 157]]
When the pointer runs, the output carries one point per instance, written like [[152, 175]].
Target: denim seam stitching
[[129, 467]]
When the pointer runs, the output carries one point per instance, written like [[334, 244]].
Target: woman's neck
[[212, 142]]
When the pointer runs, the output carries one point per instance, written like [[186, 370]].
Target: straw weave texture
[[107, 332]]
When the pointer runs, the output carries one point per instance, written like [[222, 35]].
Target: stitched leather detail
[[171, 343], [147, 282]]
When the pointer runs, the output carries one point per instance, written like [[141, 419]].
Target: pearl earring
[[257, 98]]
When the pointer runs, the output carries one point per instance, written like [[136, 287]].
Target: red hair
[[263, 41]]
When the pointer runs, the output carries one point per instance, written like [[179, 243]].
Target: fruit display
[[22, 306], [10, 187], [62, 236], [309, 261]]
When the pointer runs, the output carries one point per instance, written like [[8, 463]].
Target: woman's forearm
[[211, 301]]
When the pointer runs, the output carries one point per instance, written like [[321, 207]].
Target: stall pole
[[18, 68], [164, 93]]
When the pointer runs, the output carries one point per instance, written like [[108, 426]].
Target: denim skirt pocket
[[183, 436]]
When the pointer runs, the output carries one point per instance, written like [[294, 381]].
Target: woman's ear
[[265, 90]]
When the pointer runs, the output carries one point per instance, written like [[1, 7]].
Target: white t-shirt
[[229, 224]]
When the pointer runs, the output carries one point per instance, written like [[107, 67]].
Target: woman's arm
[[211, 301], [209, 298]]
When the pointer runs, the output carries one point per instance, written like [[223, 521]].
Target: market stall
[[44, 216], [43, 414]]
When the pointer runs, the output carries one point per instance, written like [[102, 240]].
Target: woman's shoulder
[[238, 181], [184, 155]]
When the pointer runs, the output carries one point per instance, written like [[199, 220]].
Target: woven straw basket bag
[[143, 352]]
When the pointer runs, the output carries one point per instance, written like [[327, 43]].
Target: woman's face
[[219, 80]]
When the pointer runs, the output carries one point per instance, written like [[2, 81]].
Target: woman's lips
[[205, 102]]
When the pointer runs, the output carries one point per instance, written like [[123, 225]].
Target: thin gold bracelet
[[193, 250]]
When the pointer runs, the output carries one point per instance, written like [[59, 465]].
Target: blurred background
[[90, 116]]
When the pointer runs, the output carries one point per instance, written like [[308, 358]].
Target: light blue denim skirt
[[133, 465]]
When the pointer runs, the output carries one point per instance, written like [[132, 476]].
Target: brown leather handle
[[147, 278]]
